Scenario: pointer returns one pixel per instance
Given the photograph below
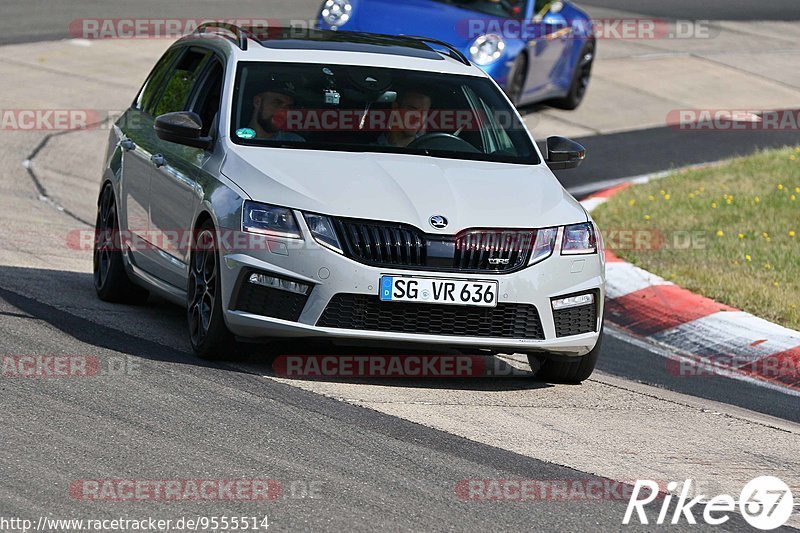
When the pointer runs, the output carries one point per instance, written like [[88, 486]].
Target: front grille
[[383, 244], [267, 301], [369, 313], [575, 320], [396, 245], [493, 250]]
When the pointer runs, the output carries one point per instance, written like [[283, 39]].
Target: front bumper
[[330, 274], [500, 70]]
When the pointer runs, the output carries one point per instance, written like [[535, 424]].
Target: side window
[[150, 89], [207, 96], [179, 83]]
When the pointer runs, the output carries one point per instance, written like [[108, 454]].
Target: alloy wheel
[[202, 286], [517, 82], [585, 72], [105, 237]]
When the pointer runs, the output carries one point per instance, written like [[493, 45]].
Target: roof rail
[[241, 34], [452, 51]]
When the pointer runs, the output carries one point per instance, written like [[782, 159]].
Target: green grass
[[744, 216]]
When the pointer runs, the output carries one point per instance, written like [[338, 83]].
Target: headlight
[[270, 220], [544, 245], [321, 227], [336, 12], [487, 49], [579, 240]]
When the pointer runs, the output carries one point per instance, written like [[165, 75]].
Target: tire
[[208, 333], [516, 79], [580, 79], [560, 371], [111, 281]]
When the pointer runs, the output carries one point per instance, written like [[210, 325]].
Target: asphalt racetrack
[[357, 455]]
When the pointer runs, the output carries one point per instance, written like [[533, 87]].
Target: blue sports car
[[536, 50]]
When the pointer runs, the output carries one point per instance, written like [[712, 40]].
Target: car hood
[[449, 23], [404, 188]]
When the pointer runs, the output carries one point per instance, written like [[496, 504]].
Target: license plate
[[438, 291]]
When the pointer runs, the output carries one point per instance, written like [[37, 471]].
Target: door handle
[[127, 145], [158, 160]]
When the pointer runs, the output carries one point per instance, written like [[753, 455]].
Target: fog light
[[280, 284], [573, 301]]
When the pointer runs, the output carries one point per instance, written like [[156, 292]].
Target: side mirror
[[182, 127], [563, 153]]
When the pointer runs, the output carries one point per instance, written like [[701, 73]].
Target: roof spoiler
[[240, 34]]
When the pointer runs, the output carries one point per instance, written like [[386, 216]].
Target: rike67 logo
[[765, 503]]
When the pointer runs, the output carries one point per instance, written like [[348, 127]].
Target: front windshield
[[498, 8], [375, 109]]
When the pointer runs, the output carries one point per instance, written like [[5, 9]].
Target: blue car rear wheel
[[516, 80], [580, 79]]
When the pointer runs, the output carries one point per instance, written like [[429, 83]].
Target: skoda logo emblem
[[438, 221]]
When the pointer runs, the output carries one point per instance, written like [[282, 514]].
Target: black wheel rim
[[202, 286], [104, 239], [584, 72]]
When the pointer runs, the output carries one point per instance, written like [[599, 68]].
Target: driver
[[269, 112], [413, 103]]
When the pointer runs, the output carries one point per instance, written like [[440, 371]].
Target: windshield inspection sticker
[[332, 97], [246, 133]]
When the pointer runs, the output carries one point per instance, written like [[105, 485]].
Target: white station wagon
[[351, 187]]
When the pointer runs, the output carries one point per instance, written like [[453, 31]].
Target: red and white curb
[[698, 336]]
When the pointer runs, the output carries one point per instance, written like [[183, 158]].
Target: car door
[[136, 140], [546, 48], [174, 190]]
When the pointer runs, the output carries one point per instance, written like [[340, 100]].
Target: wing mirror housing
[[182, 127], [563, 153]]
